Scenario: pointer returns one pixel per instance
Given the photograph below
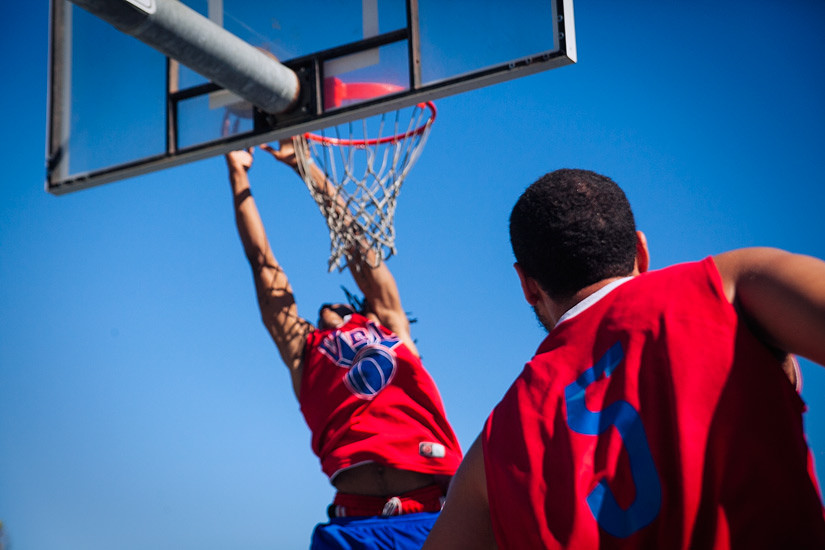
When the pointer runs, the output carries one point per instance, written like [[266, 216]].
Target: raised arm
[[275, 299], [376, 283], [782, 294], [381, 292]]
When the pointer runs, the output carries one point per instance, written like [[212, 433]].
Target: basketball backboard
[[119, 108]]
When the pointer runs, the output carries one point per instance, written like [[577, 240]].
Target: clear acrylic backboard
[[119, 108]]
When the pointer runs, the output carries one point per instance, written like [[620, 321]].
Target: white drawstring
[[392, 507]]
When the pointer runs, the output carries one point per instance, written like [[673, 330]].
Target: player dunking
[[377, 421]]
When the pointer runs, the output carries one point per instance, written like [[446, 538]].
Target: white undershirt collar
[[592, 299]]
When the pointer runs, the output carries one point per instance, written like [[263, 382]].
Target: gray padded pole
[[185, 35]]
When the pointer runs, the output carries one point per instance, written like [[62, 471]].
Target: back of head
[[573, 228]]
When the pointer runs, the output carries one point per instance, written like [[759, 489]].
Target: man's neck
[[558, 309]]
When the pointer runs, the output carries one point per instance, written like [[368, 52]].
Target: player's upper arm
[[279, 314], [381, 292], [782, 293]]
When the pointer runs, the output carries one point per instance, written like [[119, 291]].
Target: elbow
[[256, 258]]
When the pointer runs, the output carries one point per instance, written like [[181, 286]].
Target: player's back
[[662, 422]]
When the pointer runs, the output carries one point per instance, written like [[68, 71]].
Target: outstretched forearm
[[275, 298], [380, 290], [373, 277], [247, 218], [370, 273]]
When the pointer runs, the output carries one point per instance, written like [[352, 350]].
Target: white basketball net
[[364, 164]]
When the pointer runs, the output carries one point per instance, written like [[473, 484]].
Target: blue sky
[[142, 403]]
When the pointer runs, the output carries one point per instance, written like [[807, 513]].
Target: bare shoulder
[[739, 265], [290, 335], [400, 326], [781, 293]]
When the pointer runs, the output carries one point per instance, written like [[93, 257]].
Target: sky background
[[142, 403]]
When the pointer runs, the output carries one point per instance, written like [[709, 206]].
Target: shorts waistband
[[425, 499]]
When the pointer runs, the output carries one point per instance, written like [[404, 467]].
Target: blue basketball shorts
[[405, 532]]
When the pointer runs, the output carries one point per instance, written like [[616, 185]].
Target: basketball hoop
[[354, 171]]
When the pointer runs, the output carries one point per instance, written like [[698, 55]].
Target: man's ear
[[529, 286], [642, 253]]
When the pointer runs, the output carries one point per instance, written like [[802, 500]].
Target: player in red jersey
[[656, 413], [378, 424]]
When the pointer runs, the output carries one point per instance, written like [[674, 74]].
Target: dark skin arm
[[376, 283], [782, 293], [464, 522], [275, 298], [381, 291]]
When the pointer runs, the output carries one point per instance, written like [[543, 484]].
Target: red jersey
[[367, 398], [652, 418]]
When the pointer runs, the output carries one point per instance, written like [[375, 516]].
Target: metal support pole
[[183, 34]]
